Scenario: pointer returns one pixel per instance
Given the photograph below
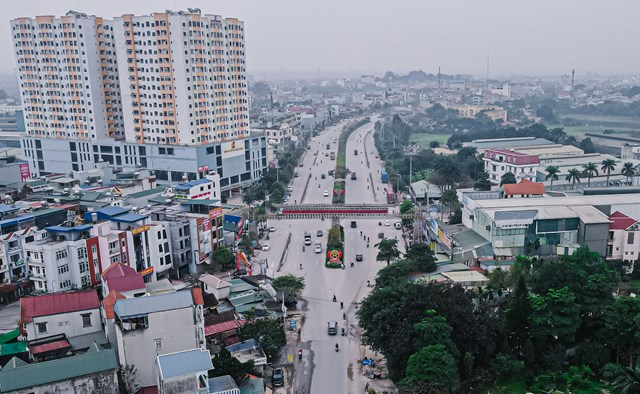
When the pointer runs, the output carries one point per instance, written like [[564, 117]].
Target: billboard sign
[[232, 149], [25, 173]]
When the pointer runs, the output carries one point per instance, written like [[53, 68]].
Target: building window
[[42, 328], [61, 254], [86, 320], [630, 238], [63, 269]]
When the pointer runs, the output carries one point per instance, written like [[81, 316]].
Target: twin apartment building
[[165, 91]]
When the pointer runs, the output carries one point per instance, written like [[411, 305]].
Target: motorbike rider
[[341, 305], [337, 347]]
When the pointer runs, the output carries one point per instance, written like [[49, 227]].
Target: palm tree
[[574, 176], [629, 383], [552, 173], [628, 170], [608, 165], [590, 169]]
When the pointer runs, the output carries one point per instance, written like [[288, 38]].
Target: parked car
[[277, 377], [266, 247]]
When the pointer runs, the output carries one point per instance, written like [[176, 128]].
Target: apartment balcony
[[37, 277], [33, 262]]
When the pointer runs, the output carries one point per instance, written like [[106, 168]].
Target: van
[[332, 327]]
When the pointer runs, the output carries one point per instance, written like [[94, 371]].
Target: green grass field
[[622, 125], [424, 139]]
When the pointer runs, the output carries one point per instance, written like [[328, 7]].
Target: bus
[[391, 196]]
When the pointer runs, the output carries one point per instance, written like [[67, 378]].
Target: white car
[[326, 193], [397, 225], [386, 223], [266, 247]]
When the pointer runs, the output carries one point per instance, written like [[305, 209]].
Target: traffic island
[[339, 186], [335, 248]]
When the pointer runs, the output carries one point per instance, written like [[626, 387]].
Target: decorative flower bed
[[334, 257]]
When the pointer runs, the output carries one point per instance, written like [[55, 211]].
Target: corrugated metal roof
[[129, 218], [147, 192], [222, 383], [53, 304], [185, 362], [191, 184], [16, 375], [154, 303]]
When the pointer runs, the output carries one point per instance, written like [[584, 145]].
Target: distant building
[[624, 238], [499, 162]]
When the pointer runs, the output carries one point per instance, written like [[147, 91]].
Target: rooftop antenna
[[573, 79], [439, 81]]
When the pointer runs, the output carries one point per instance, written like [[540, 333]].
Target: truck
[[332, 155], [384, 176], [353, 176], [391, 196], [307, 238]]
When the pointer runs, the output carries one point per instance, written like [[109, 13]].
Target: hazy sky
[[373, 36]]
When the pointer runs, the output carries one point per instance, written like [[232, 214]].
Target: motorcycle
[[334, 298], [300, 266], [341, 305], [343, 331], [337, 347], [352, 263], [299, 354]]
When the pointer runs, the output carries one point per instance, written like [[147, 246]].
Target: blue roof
[[105, 213], [16, 220], [129, 218], [191, 184], [7, 208], [65, 229], [183, 363], [248, 344]]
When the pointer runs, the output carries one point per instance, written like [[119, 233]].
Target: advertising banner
[[232, 149], [25, 173]]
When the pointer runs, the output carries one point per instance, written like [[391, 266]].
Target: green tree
[[449, 198], [433, 365], [245, 245], [552, 173], [607, 166], [393, 272], [507, 178], [387, 250], [225, 364], [290, 285], [518, 314], [222, 258], [622, 324], [421, 257], [555, 315], [628, 170], [573, 175], [269, 333], [589, 169], [483, 183], [406, 210], [628, 383], [434, 329]]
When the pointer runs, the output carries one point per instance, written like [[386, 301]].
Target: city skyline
[[332, 38]]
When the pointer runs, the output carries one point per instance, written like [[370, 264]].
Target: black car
[[353, 224], [277, 377], [358, 257]]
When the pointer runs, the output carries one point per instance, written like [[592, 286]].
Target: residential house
[[624, 238], [95, 371], [249, 350], [499, 162], [216, 286], [148, 326], [71, 319], [184, 372], [123, 279]]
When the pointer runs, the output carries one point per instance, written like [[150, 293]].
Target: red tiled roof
[[109, 301], [197, 296], [117, 270], [47, 347], [223, 327], [620, 221], [525, 187], [127, 283], [53, 304]]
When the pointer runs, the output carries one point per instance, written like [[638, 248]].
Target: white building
[[185, 77], [74, 314], [184, 372], [146, 327], [66, 258], [68, 77], [499, 162], [624, 238]]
